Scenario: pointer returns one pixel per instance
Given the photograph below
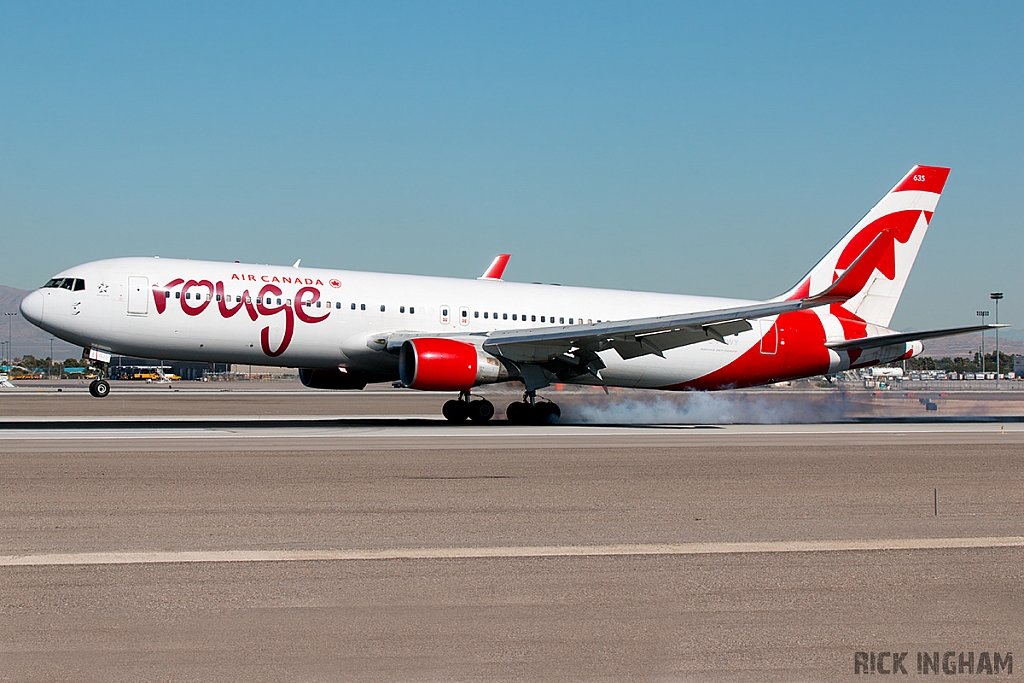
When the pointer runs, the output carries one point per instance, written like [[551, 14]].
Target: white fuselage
[[119, 311]]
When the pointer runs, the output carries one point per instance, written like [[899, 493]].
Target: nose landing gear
[[528, 411], [99, 387], [458, 410]]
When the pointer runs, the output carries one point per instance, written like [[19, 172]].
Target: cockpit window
[[74, 284]]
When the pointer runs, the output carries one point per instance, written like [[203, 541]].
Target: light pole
[[10, 321], [983, 315], [996, 296], [49, 373]]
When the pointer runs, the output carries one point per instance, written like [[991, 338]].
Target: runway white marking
[[507, 552], [442, 429]]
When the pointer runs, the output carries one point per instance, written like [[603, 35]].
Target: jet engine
[[438, 364]]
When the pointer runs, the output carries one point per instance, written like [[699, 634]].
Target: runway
[[388, 545]]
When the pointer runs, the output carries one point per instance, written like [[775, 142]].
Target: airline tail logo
[[901, 219]]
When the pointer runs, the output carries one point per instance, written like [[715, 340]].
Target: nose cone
[[32, 307]]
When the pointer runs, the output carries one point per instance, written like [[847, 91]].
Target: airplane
[[346, 329]]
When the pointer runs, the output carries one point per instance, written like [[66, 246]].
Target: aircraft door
[[445, 314], [138, 295], [463, 316], [769, 337]]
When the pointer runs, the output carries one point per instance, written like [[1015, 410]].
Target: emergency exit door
[[138, 295]]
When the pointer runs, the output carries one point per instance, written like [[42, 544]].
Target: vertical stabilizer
[[901, 218]]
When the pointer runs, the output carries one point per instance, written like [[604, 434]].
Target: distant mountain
[[26, 338]]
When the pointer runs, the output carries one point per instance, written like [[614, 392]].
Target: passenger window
[[504, 316], [533, 318], [382, 308], [570, 321], [336, 305], [485, 314], [514, 316], [476, 314], [167, 294], [278, 302], [177, 295], [362, 307], [561, 321], [353, 307], [318, 305], [412, 309], [542, 319]]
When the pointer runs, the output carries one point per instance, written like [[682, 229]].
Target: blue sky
[[713, 148]]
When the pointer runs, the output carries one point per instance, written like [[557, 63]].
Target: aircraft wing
[[642, 336], [903, 337]]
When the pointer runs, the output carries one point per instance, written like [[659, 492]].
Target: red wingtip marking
[[802, 291], [924, 179], [497, 267]]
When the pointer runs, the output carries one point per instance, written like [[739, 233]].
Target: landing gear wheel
[[519, 413], [99, 388], [481, 411], [455, 411], [546, 414]]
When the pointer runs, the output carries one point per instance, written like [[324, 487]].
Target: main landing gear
[[528, 411], [525, 412], [457, 410]]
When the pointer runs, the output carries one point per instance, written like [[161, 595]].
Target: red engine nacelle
[[438, 364]]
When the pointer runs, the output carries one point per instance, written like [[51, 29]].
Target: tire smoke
[[705, 408]]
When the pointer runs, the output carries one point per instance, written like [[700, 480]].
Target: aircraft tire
[[481, 411], [518, 413], [99, 388], [455, 411], [547, 414]]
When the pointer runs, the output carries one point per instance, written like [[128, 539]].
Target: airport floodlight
[[10, 320], [983, 314], [996, 296]]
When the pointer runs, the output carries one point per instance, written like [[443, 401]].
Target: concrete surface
[[402, 549]]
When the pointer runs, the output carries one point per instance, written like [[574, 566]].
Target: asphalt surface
[[390, 546]]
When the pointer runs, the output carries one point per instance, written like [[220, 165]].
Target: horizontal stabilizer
[[903, 337]]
